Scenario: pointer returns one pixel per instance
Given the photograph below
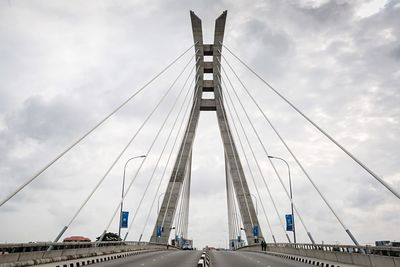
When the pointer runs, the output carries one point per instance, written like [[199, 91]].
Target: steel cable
[[151, 146], [298, 163], [372, 173], [119, 156], [21, 187], [270, 161]]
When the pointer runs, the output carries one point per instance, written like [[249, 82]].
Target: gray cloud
[[65, 66]]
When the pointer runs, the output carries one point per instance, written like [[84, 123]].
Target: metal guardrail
[[370, 250], [204, 260], [7, 248]]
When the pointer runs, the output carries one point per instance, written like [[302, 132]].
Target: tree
[[110, 237]]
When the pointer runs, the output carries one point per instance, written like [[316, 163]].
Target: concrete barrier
[[93, 260], [397, 262], [311, 261], [382, 261], [9, 258], [40, 257], [361, 259], [332, 255], [344, 257], [52, 254]]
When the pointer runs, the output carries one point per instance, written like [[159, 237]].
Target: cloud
[[65, 66]]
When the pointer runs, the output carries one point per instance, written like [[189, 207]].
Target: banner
[[124, 220], [159, 230], [289, 222], [255, 230]]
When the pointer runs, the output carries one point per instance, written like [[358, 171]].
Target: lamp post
[[123, 191], [291, 194]]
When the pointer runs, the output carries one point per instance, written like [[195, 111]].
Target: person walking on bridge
[[263, 245]]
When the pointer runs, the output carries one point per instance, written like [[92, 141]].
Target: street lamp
[[123, 191], [291, 194]]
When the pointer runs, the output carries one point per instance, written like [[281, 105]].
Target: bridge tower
[[182, 167]]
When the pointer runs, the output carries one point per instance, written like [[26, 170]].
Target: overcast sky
[[66, 64]]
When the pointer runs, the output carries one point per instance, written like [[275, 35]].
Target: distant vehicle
[[187, 245], [382, 243], [387, 243], [77, 238]]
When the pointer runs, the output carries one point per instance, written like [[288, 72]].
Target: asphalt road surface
[[253, 259], [171, 258], [174, 258]]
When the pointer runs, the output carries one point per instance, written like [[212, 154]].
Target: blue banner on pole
[[124, 219], [255, 230], [159, 230], [289, 222]]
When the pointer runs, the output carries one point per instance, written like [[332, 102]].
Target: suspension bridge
[[210, 83]]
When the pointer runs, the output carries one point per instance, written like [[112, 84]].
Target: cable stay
[[179, 132], [37, 174], [183, 226], [229, 205], [250, 171], [179, 163], [372, 173], [151, 146], [236, 163], [119, 156], [295, 158], [232, 209], [270, 161], [237, 166], [180, 221], [179, 215], [164, 147], [236, 212], [232, 212], [257, 162]]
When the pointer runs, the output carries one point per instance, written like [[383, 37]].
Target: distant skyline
[[66, 64]]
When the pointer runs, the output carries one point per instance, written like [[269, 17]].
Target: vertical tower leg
[[170, 201], [234, 165], [183, 161]]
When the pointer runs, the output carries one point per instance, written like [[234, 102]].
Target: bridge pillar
[[182, 165]]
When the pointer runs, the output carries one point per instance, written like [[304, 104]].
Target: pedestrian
[[264, 245]]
